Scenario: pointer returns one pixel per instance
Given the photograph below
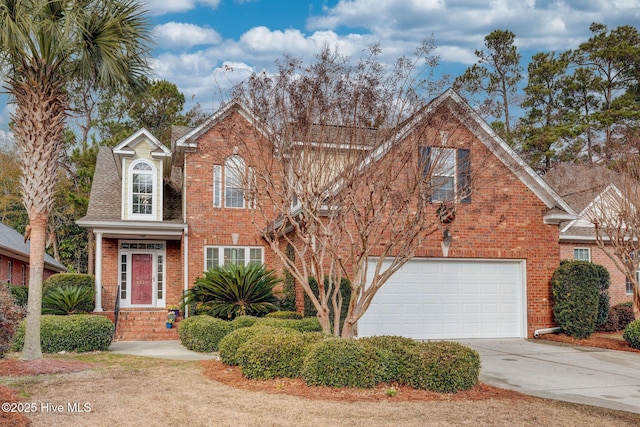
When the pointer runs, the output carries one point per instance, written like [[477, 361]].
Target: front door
[[141, 279]]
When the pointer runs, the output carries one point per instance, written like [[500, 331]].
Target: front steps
[[145, 325]]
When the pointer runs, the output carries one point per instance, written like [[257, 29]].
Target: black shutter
[[464, 175], [425, 162]]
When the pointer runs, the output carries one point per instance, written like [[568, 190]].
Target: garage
[[450, 299]]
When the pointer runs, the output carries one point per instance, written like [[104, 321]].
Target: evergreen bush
[[308, 324], [576, 291], [340, 363], [61, 280], [392, 353], [273, 355], [80, 332], [244, 321], [202, 333], [625, 314], [632, 334], [443, 367], [230, 344], [285, 315]]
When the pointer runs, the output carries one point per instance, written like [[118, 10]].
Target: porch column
[[98, 273]]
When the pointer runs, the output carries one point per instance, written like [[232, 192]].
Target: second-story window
[[229, 183], [142, 188]]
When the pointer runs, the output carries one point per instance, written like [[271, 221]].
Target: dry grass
[[133, 391]]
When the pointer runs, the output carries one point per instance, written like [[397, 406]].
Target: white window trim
[[217, 186], [582, 248], [247, 253], [154, 191]]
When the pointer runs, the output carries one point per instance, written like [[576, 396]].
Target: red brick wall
[[618, 287], [215, 226], [17, 272]]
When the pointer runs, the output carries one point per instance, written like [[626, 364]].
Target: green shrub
[[611, 324], [576, 290], [392, 353], [443, 367], [604, 280], [10, 315], [285, 315], [244, 322], [273, 355], [632, 334], [69, 299], [234, 290], [345, 291], [61, 280], [339, 363], [230, 344], [203, 333], [20, 293], [81, 332], [308, 324], [625, 314]]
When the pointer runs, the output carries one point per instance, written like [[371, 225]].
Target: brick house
[[14, 258], [162, 216], [581, 186]]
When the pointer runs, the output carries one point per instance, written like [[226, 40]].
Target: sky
[[204, 46]]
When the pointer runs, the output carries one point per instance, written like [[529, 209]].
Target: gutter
[[538, 332]]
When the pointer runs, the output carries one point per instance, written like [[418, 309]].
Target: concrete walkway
[[586, 375], [160, 349]]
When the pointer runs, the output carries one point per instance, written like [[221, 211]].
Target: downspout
[[186, 267], [538, 332]]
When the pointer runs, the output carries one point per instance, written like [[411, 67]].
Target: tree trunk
[[32, 349]]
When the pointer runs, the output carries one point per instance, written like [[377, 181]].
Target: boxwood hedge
[[230, 344], [80, 332], [202, 333], [308, 324], [632, 334], [392, 353], [442, 366], [340, 363]]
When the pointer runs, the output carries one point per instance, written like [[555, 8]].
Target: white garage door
[[449, 299]]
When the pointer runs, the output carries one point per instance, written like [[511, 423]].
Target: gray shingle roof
[[579, 185], [13, 241]]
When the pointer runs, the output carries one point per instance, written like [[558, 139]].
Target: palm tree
[[44, 45]]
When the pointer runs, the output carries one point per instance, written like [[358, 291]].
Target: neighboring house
[[161, 217], [14, 258], [582, 186]]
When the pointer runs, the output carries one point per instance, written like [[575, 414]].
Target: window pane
[[212, 259], [443, 161], [255, 256], [581, 254], [217, 186], [234, 256], [142, 194], [233, 185]]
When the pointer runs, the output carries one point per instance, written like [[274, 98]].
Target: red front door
[[141, 278]]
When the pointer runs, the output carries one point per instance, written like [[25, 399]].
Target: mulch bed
[[231, 375], [609, 340]]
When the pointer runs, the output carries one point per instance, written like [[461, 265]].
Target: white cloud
[[161, 7], [181, 35]]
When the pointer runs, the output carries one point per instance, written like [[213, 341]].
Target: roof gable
[[485, 134], [127, 147]]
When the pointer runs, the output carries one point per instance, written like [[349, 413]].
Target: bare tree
[[350, 159], [614, 214]]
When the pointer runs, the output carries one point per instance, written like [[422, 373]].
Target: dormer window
[[143, 189]]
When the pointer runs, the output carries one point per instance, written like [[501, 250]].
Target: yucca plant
[[234, 290], [68, 300]]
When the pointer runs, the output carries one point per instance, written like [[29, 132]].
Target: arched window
[[143, 178], [234, 174]]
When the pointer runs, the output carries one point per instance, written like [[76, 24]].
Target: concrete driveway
[[585, 375]]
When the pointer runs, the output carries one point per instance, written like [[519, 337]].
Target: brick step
[[145, 325]]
